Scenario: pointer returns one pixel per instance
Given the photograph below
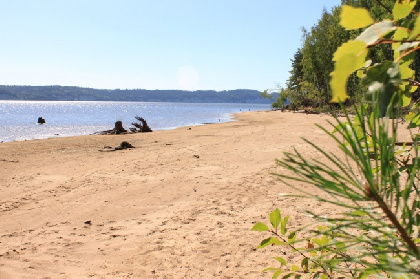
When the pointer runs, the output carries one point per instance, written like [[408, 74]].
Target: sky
[[153, 44]]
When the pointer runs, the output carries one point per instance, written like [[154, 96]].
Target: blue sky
[[153, 44]]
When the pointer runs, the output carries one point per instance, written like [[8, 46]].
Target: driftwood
[[119, 129], [123, 145], [142, 128], [310, 111]]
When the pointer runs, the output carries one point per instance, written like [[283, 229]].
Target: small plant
[[377, 188], [312, 250], [376, 180]]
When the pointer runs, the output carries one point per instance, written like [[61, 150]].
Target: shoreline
[[99, 132], [179, 205], [93, 119]]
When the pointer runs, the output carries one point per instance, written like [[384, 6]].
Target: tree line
[[312, 64], [73, 93]]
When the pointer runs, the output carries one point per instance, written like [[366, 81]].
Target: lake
[[18, 119]]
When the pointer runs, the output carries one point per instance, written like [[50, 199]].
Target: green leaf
[[275, 218], [406, 71], [270, 241], [283, 225], [354, 48], [376, 31], [414, 119], [295, 268], [261, 227], [406, 100], [402, 9], [292, 237], [305, 264], [277, 271], [399, 35], [277, 274], [317, 241], [348, 58], [341, 246], [416, 30], [355, 18], [281, 260]]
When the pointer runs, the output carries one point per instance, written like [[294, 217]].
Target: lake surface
[[18, 119]]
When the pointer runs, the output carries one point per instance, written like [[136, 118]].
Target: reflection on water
[[18, 119]]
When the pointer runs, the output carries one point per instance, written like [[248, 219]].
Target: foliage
[[318, 49], [377, 185], [313, 62], [308, 84]]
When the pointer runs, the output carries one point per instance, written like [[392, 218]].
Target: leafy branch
[[375, 178]]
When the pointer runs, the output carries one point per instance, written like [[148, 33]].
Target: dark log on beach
[[310, 111], [119, 129], [123, 145], [142, 128]]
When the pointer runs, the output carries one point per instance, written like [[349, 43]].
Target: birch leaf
[[402, 9], [355, 18]]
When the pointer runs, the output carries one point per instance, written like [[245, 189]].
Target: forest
[[73, 93], [309, 81]]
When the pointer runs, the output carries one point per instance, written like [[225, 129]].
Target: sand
[[179, 205]]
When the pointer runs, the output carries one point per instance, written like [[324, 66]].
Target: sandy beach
[[179, 205]]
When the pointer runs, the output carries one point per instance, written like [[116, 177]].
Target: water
[[18, 118]]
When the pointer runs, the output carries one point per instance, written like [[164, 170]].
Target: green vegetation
[[375, 181], [309, 81], [72, 93]]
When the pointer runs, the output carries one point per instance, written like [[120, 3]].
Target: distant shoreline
[[73, 93]]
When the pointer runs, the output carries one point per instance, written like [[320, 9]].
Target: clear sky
[[153, 44]]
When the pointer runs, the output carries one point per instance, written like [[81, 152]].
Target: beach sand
[[179, 205]]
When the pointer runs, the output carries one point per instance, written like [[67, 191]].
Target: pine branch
[[393, 220]]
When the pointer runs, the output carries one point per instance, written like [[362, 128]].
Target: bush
[[377, 186]]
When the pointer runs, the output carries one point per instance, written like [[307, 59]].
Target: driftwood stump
[[119, 129]]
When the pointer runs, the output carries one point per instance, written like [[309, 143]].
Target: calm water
[[18, 118]]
